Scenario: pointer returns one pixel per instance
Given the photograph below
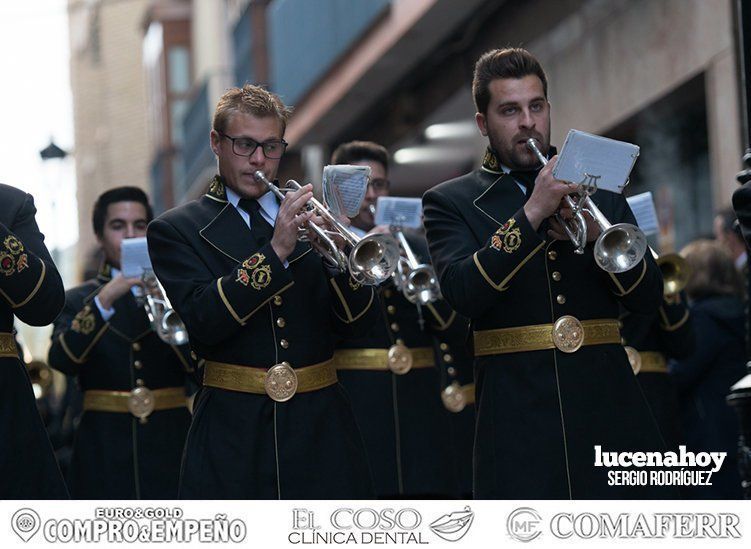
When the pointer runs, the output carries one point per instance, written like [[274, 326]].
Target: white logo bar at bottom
[[452, 523]]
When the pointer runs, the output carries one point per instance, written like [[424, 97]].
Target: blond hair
[[253, 100]]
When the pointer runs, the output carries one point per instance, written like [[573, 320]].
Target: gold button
[[556, 276], [451, 370], [394, 327], [138, 364], [444, 347], [391, 309], [277, 300], [387, 293], [139, 382], [136, 346], [620, 324], [448, 358], [552, 254], [399, 342], [193, 355], [281, 322], [561, 299], [284, 343]]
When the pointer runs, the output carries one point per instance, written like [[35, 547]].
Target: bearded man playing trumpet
[[263, 310], [552, 379]]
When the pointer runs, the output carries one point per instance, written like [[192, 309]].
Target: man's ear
[[214, 139], [481, 123]]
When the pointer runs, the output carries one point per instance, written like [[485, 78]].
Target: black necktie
[[260, 227], [526, 178]]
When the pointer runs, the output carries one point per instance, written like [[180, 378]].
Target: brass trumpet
[[373, 258], [618, 248], [163, 318], [675, 272], [40, 375]]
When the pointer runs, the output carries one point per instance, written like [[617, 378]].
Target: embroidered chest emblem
[[508, 238], [84, 321], [13, 245], [261, 277]]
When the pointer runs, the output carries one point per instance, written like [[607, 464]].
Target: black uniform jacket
[[30, 289], [540, 413], [669, 332], [243, 307], [406, 428], [115, 455]]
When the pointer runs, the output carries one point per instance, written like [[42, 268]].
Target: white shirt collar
[[269, 206]]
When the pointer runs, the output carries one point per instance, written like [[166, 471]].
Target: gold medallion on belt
[[453, 398], [281, 382], [634, 358], [141, 403], [568, 334], [400, 359]]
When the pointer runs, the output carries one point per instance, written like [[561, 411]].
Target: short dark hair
[[118, 194], [503, 63], [359, 151], [713, 271]]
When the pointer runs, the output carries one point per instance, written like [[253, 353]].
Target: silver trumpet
[[371, 261], [417, 281], [163, 318], [618, 248]]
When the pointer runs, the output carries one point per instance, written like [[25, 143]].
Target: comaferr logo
[[641, 525], [524, 524]]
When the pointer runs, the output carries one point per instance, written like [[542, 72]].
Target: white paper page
[[344, 188], [643, 206], [403, 212], [134, 257], [587, 157]]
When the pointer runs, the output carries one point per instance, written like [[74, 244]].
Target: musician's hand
[[331, 231], [116, 288], [558, 232], [546, 196], [289, 219], [380, 229]]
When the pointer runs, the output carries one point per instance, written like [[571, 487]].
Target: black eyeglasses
[[245, 146], [379, 184]]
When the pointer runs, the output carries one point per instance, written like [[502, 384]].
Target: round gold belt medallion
[[141, 402], [634, 358], [281, 382], [568, 334], [453, 398], [400, 359]]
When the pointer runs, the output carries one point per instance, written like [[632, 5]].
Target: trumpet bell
[[374, 258], [620, 248], [422, 286], [675, 273], [172, 330]]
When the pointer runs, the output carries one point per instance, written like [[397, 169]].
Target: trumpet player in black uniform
[[396, 372], [131, 434], [31, 290], [652, 339], [262, 309], [552, 379]]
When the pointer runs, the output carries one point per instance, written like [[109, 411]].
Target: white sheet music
[[134, 257], [643, 206], [588, 157], [344, 188], [394, 210]]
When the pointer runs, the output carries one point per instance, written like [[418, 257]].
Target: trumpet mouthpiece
[[260, 176]]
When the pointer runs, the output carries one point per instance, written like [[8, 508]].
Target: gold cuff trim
[[82, 358], [673, 327], [36, 288], [345, 305], [378, 359], [540, 337], [623, 292], [502, 286], [442, 324], [250, 379], [8, 346], [118, 401], [227, 304]]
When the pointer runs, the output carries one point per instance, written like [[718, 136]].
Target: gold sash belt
[[280, 382], [568, 334], [394, 359], [8, 345], [647, 361], [140, 402]]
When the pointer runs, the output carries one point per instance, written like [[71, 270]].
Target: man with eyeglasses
[[261, 308], [416, 446]]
